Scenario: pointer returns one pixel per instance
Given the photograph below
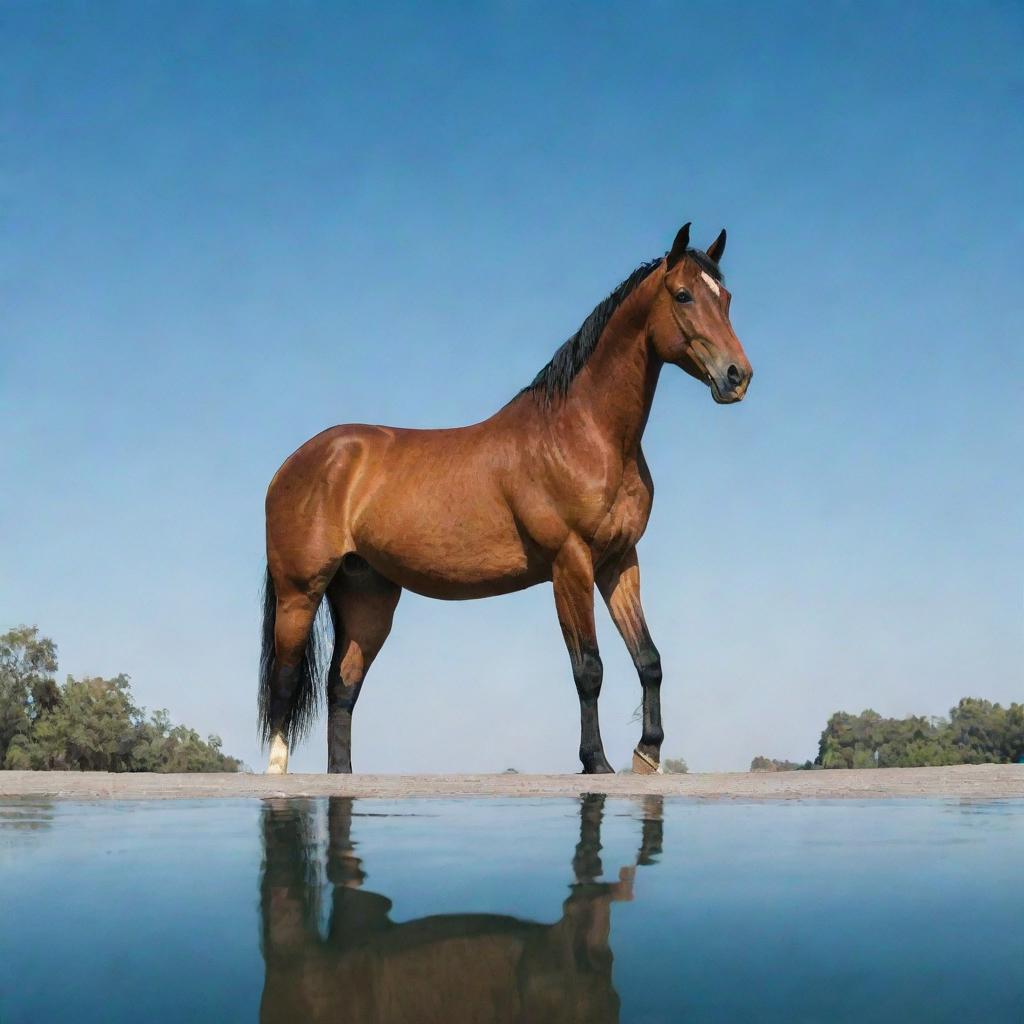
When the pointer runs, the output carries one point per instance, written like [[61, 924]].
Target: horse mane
[[553, 381]]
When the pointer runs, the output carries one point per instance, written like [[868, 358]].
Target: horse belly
[[442, 540]]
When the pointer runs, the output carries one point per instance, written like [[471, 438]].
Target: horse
[[332, 952], [553, 488]]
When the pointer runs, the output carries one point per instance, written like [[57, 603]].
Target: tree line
[[87, 724], [976, 732]]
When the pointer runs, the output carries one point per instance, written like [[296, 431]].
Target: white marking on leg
[[278, 764], [711, 282]]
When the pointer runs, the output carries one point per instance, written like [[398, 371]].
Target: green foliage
[[27, 688], [976, 732], [771, 764], [674, 766], [89, 724]]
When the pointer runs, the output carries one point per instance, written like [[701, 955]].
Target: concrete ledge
[[975, 782]]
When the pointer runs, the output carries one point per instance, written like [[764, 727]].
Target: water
[[501, 911]]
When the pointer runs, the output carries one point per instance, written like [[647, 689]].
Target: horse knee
[[653, 735]]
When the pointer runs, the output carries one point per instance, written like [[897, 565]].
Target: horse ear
[[717, 247], [679, 246]]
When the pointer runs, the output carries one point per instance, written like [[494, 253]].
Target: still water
[[587, 910]]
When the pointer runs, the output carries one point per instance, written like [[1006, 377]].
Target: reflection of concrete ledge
[[978, 782]]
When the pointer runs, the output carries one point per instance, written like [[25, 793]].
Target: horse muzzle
[[729, 385]]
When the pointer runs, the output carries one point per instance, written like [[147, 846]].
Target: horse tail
[[306, 694]]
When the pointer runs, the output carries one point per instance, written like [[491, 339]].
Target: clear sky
[[226, 227]]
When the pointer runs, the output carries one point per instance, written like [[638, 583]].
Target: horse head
[[689, 320]]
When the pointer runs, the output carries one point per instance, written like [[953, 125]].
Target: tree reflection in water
[[451, 968], [27, 815]]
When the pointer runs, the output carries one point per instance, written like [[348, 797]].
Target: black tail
[[305, 702]]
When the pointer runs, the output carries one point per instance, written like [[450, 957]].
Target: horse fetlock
[[652, 739], [595, 763]]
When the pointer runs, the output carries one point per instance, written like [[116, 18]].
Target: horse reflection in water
[[451, 968]]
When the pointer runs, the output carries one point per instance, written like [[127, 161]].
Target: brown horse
[[553, 487], [455, 968]]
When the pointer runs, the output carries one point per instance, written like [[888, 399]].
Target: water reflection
[[452, 968], [26, 815]]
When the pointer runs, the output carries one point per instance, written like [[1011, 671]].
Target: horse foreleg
[[573, 579], [620, 587]]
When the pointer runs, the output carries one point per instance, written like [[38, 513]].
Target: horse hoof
[[276, 769], [644, 765]]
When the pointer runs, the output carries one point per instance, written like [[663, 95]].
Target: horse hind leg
[[290, 671], [362, 603]]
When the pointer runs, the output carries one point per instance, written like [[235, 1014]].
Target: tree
[[976, 732], [89, 724], [27, 687], [771, 764], [675, 766]]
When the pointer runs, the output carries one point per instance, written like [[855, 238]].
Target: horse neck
[[616, 387]]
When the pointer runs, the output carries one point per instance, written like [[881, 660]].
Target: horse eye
[[684, 296]]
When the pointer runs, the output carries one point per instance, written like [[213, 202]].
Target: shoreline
[[972, 782]]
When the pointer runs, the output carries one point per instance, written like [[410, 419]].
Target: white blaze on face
[[711, 282]]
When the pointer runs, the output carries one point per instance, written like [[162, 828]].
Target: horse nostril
[[734, 375]]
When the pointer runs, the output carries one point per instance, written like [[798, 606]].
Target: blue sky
[[226, 227]]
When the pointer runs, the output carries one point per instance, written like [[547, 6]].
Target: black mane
[[554, 379]]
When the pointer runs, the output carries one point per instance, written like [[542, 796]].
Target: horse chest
[[625, 517]]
